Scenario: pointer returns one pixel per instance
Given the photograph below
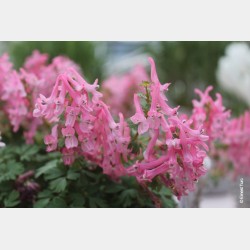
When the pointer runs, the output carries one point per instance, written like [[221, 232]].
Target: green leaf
[[167, 202], [72, 175], [165, 191], [112, 189], [44, 194], [58, 185], [41, 203], [89, 174], [12, 200], [54, 173], [10, 170], [57, 202], [127, 197], [29, 152], [47, 167], [78, 200], [97, 202]]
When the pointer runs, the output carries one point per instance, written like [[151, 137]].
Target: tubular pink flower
[[52, 140], [71, 114], [86, 123], [152, 173], [70, 138], [139, 117], [148, 154], [175, 151], [238, 143], [210, 114]]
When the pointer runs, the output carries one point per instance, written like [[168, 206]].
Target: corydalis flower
[[52, 140], [71, 114], [139, 117], [5, 70], [211, 114], [237, 141], [88, 127], [175, 152], [70, 138], [20, 89]]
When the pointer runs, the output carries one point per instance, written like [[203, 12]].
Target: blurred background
[[187, 65]]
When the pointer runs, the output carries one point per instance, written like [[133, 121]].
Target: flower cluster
[[84, 126], [84, 122], [20, 89], [211, 114], [118, 91], [175, 152], [156, 145], [215, 118], [229, 139], [238, 144]]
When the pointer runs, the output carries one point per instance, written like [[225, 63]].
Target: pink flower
[[210, 114], [36, 62], [87, 145], [44, 106], [171, 150], [237, 140], [86, 123], [59, 101], [70, 138], [19, 91], [139, 117], [157, 93], [71, 114], [180, 163], [79, 83], [52, 140]]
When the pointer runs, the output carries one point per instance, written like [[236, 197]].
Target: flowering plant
[[83, 123], [19, 90], [228, 138], [147, 150]]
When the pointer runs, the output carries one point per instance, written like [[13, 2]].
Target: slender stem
[[147, 95]]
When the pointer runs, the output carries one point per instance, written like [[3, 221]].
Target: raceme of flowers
[[238, 144], [19, 89], [84, 126], [215, 120], [211, 114], [229, 139]]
